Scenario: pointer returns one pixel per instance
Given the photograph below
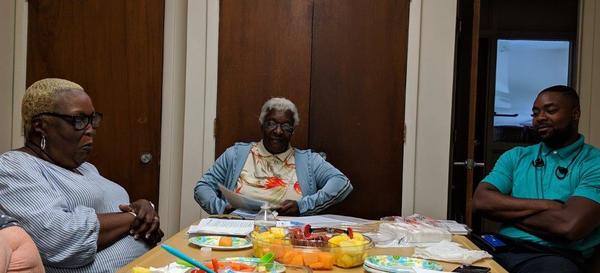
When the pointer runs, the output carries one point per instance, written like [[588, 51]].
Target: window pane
[[523, 68]]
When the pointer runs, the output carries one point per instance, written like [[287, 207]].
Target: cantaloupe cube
[[287, 257], [326, 259], [310, 257], [297, 259], [316, 265]]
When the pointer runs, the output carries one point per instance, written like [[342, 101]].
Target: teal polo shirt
[[515, 174]]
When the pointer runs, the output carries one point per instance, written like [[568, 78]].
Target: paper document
[[246, 214], [231, 227], [239, 201], [455, 227], [222, 227]]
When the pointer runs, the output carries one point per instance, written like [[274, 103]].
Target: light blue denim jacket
[[322, 184]]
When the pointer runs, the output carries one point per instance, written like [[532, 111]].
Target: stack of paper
[[222, 227], [455, 227]]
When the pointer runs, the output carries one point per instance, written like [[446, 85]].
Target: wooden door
[[264, 52], [113, 48], [357, 98]]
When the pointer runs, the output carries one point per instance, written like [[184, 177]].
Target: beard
[[560, 136]]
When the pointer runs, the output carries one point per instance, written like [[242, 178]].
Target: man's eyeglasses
[[80, 122], [286, 127]]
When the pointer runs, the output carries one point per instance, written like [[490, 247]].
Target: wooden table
[[157, 257]]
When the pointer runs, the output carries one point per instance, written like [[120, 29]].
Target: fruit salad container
[[319, 249]]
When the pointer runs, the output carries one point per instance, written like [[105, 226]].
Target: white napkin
[[450, 252]]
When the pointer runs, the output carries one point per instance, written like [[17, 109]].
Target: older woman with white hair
[[298, 182], [79, 220]]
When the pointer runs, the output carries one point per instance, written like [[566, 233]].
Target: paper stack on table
[[417, 229], [222, 227], [455, 227]]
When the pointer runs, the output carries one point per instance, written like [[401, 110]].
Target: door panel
[[357, 98], [114, 50], [264, 52]]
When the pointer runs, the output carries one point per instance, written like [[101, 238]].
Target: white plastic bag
[[450, 252]]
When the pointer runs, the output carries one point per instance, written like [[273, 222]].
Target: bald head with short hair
[[566, 91]]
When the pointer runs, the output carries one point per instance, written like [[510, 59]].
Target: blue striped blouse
[[58, 209]]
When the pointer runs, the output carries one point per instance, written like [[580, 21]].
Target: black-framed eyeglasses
[[80, 122], [286, 127]]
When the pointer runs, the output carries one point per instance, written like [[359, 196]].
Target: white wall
[[173, 101], [200, 102], [434, 107], [7, 27], [588, 81]]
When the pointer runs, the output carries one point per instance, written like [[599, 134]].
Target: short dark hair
[[567, 91]]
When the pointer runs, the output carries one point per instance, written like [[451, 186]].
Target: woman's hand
[[289, 208], [146, 224]]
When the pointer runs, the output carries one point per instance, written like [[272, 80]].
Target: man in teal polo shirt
[[547, 195]]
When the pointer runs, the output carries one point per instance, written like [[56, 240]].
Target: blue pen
[[175, 252]]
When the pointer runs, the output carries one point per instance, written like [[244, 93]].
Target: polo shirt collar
[[262, 150], [566, 151]]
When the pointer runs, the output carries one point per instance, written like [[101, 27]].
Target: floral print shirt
[[269, 177]]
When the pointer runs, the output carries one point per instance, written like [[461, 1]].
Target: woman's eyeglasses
[[286, 127], [80, 122]]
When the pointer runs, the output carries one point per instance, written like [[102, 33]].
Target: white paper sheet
[[239, 201], [222, 227]]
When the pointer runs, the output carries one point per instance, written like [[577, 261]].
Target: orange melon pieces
[[312, 259]]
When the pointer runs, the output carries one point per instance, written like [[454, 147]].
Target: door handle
[[469, 164], [146, 158]]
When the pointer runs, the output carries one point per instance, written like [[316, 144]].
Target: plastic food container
[[316, 254]]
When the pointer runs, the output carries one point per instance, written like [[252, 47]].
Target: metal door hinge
[[404, 134], [469, 164]]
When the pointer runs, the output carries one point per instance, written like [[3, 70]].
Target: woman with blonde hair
[[79, 220]]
